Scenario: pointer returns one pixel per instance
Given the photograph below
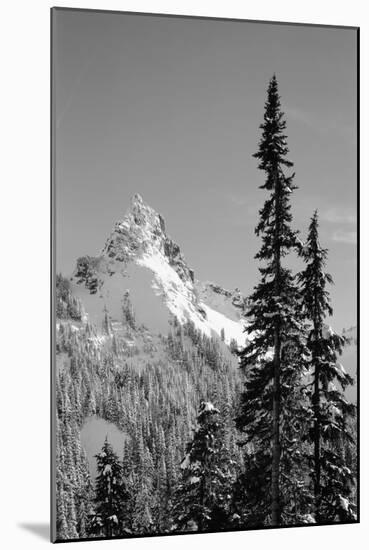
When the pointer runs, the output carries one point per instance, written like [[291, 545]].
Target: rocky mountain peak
[[136, 199], [152, 265], [142, 215], [141, 232]]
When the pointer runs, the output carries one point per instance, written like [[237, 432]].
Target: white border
[[24, 127]]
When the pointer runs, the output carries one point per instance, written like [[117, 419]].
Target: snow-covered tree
[[143, 501], [330, 433], [106, 324], [61, 520], [203, 495], [71, 513], [111, 494], [127, 311], [67, 305], [271, 411]]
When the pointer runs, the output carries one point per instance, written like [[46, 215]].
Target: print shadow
[[42, 530]]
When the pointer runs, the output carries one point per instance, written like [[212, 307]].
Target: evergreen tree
[[106, 324], [273, 359], [142, 508], [111, 494], [71, 513], [162, 515], [233, 346], [61, 520], [330, 433], [127, 311], [203, 495], [67, 306], [82, 523]]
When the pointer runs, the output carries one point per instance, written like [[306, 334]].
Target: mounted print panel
[[205, 187]]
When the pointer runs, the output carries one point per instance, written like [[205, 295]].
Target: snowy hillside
[[139, 257]]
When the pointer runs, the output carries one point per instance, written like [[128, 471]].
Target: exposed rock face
[[235, 296], [231, 303], [177, 261]]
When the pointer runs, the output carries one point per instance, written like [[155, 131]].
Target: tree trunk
[[316, 408], [276, 457], [276, 508]]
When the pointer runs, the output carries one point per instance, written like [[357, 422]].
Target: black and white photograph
[[205, 275]]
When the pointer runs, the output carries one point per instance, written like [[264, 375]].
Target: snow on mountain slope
[[231, 304], [139, 241], [179, 299], [217, 322]]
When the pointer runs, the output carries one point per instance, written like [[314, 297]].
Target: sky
[[170, 108]]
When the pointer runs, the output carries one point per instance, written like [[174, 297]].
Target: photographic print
[[204, 224]]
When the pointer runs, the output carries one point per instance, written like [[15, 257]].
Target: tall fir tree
[[270, 413], [109, 518], [330, 432], [106, 324], [203, 495], [127, 311]]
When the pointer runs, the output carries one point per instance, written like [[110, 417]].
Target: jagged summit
[[136, 199], [142, 232], [139, 240]]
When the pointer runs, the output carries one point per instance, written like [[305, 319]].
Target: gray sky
[[170, 108]]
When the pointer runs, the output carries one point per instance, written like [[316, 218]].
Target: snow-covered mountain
[[140, 258], [349, 360], [351, 335]]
